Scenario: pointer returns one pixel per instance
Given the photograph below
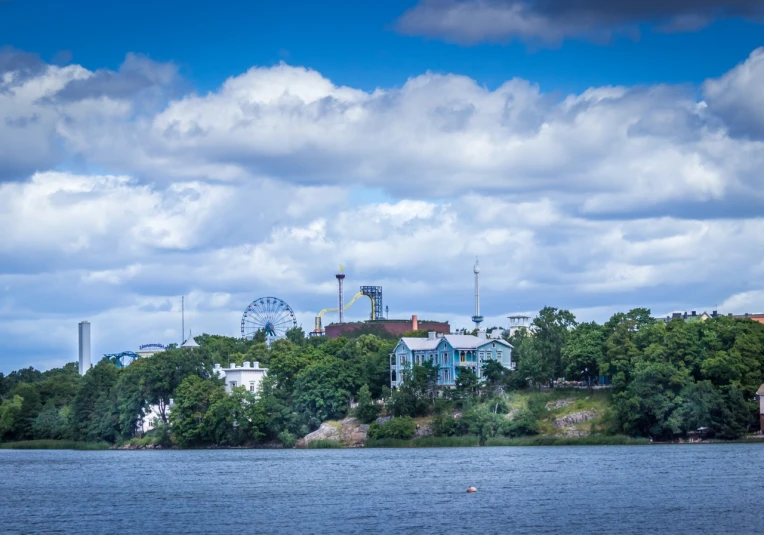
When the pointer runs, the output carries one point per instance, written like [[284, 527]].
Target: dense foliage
[[667, 380]]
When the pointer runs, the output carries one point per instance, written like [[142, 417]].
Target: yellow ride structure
[[319, 329]]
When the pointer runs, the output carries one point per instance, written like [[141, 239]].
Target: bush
[[536, 405], [445, 425], [287, 439], [524, 424], [402, 427], [366, 411]]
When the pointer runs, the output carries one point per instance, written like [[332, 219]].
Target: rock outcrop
[[349, 432], [573, 419], [560, 403]]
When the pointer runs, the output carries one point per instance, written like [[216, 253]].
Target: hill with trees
[[667, 380]]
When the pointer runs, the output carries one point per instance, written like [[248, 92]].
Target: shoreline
[[425, 442]]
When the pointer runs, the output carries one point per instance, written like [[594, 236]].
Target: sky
[[595, 156]]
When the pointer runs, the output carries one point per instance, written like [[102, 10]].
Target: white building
[[248, 375], [149, 350], [153, 416]]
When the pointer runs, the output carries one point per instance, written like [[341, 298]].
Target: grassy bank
[[54, 445], [592, 440], [324, 445], [425, 442], [468, 441]]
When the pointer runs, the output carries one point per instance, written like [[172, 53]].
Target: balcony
[[468, 363]]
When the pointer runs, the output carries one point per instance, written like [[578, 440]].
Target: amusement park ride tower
[[477, 318], [340, 278]]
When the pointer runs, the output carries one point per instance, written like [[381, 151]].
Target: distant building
[[149, 350], [759, 318], [153, 417], [760, 394], [394, 327], [249, 375], [518, 322], [451, 353], [691, 317]]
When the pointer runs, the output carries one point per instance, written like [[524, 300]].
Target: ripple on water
[[622, 490]]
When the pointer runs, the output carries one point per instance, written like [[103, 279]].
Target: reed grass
[[54, 445]]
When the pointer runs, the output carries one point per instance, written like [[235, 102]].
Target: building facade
[[249, 375], [395, 327], [451, 353]]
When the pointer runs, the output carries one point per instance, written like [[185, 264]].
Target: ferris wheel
[[271, 315]]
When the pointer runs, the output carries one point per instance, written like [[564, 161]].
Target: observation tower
[[477, 318]]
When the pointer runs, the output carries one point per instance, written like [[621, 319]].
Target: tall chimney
[[414, 323], [84, 332]]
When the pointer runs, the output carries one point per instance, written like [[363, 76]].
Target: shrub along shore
[[668, 379]]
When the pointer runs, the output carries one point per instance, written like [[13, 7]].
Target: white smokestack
[[84, 330]]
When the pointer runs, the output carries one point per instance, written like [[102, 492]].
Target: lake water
[[613, 490]]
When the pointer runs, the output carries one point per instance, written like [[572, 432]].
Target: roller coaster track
[[319, 328]]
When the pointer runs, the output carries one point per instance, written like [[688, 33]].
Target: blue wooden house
[[451, 353]]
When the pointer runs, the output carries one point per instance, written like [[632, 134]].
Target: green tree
[[10, 409], [93, 396], [322, 390], [193, 398], [582, 351], [366, 411], [550, 332]]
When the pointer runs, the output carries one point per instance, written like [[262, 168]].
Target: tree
[[30, 408], [10, 409], [495, 376], [550, 332], [366, 411], [582, 351], [94, 395], [296, 335], [50, 423], [532, 368], [193, 397], [322, 390], [467, 384]]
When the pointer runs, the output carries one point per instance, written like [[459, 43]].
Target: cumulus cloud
[[615, 197], [551, 21], [437, 135], [737, 97]]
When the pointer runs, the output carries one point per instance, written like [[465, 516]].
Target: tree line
[[667, 379]]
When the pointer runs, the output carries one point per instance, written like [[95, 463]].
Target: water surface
[[610, 489]]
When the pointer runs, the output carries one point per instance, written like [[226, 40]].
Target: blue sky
[[352, 43], [595, 157]]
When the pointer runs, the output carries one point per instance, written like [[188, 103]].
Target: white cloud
[[616, 197], [737, 96]]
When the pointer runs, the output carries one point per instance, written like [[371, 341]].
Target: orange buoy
[[471, 489]]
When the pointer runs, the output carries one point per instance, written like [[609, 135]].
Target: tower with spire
[[477, 318]]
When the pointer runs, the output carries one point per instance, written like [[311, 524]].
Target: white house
[[248, 375]]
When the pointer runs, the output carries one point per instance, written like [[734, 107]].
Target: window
[[494, 344], [462, 357], [251, 386], [498, 355], [233, 384], [446, 375]]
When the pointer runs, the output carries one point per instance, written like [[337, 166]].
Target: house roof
[[760, 391], [421, 344], [468, 341], [457, 341]]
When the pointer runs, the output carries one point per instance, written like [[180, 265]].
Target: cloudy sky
[[593, 157]]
